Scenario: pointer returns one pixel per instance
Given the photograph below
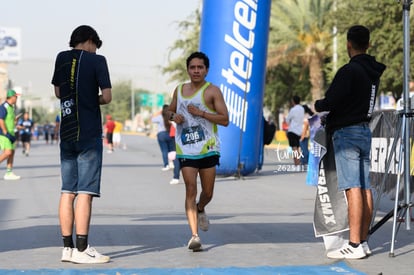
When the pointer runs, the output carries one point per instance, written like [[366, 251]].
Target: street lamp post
[[132, 104]]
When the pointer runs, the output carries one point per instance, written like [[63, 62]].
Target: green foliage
[[299, 32], [384, 19], [182, 48], [300, 45], [282, 83], [40, 115], [120, 107]]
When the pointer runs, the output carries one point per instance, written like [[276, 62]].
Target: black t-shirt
[[79, 76]]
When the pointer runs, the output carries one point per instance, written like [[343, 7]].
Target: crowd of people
[[18, 130], [188, 138]]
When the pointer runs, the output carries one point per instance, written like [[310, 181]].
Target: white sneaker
[[171, 165], [366, 248], [166, 168], [194, 243], [88, 256], [11, 176], [66, 254], [203, 221], [347, 252], [175, 181]]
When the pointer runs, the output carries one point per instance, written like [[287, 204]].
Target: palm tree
[[190, 30], [299, 32]]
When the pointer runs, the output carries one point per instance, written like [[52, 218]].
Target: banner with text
[[331, 214], [234, 35]]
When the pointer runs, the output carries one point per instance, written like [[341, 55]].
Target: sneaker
[[11, 176], [203, 221], [166, 168], [194, 243], [347, 252], [171, 165], [66, 254], [88, 256], [175, 181], [366, 248]]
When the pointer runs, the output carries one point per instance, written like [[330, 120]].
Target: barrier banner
[[234, 35], [331, 210], [331, 214], [315, 152], [385, 127]]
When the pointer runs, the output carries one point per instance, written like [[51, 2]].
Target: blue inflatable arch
[[234, 35]]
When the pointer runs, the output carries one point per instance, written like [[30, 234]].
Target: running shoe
[[194, 243], [88, 256], [347, 252], [11, 176], [203, 221], [66, 254], [175, 181], [366, 248], [166, 168]]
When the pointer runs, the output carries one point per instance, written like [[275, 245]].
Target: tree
[[182, 48], [288, 79], [299, 32], [40, 115], [384, 20], [120, 106]]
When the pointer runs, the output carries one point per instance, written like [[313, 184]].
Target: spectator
[[81, 146], [295, 121]]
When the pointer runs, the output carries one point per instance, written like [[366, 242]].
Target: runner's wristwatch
[[172, 116]]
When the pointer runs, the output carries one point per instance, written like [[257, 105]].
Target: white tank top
[[196, 137]]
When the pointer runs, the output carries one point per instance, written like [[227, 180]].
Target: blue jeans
[[167, 144], [352, 147], [81, 166], [304, 147], [177, 168]]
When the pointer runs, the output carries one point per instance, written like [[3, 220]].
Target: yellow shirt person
[[116, 138]]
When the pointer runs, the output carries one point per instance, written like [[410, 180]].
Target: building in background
[[10, 52]]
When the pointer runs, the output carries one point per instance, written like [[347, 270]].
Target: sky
[[136, 37]]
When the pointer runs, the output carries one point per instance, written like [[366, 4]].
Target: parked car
[[7, 41], [10, 41]]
